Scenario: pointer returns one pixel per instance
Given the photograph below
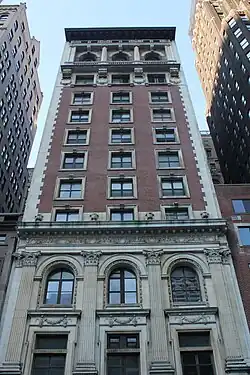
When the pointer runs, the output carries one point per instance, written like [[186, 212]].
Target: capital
[[26, 258], [153, 256], [91, 258], [217, 254]]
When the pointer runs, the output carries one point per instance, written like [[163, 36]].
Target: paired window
[[77, 137], [172, 187], [121, 188], [59, 288], [168, 159], [84, 79], [244, 233], [70, 189], [121, 214], [67, 215], [123, 354], [162, 115], [159, 97], [49, 354], [185, 285], [157, 78], [121, 115], [80, 116], [82, 98], [176, 213], [121, 136], [196, 353], [120, 97], [121, 160], [73, 161], [120, 79], [122, 287]]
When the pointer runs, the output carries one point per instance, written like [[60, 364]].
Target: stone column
[[217, 259], [136, 53], [86, 344], [28, 262], [159, 362], [169, 52], [104, 55]]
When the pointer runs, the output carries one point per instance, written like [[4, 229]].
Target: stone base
[[11, 368], [85, 369], [236, 365], [161, 368]]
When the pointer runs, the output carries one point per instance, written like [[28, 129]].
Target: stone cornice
[[191, 311], [123, 311]]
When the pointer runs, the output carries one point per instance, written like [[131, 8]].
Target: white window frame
[[121, 108], [66, 208], [82, 92], [120, 92], [119, 74], [84, 75], [85, 162], [76, 109], [163, 121], [64, 179], [157, 83], [76, 144], [119, 151], [185, 184], [178, 206], [159, 91], [170, 150], [165, 143], [122, 144], [133, 207], [134, 182]]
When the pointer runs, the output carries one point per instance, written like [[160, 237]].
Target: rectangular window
[[49, 355], [82, 98], [120, 97], [77, 137], [2, 238], [244, 43], [232, 22], [157, 78], [244, 233], [121, 188], [237, 32], [67, 215], [168, 159], [79, 116], [121, 214], [84, 80], [159, 97], [176, 213], [123, 354], [121, 115], [121, 160], [196, 353], [73, 161], [120, 79], [121, 136], [70, 189], [161, 115], [241, 206], [165, 135], [172, 187]]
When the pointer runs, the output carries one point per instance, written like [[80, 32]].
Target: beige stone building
[[122, 265]]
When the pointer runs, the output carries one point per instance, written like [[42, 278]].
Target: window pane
[[114, 285], [244, 234], [67, 275], [130, 284], [189, 339], [114, 298], [130, 297], [51, 342], [52, 292], [238, 206]]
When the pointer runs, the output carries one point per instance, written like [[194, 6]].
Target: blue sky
[[48, 18]]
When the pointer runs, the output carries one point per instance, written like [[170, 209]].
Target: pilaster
[[86, 344], [104, 55], [159, 346], [169, 52], [136, 53]]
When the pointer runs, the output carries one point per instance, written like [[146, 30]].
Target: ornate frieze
[[26, 258], [153, 256], [61, 321], [130, 320], [91, 258], [217, 254]]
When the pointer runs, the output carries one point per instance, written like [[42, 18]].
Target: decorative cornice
[[91, 258], [26, 258], [218, 254], [153, 256]]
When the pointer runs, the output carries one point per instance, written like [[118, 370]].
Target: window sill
[[68, 199], [121, 103], [163, 121], [175, 196], [121, 169], [121, 144], [166, 143], [78, 123], [123, 305], [71, 169], [81, 104], [76, 144], [167, 168], [121, 198], [48, 306], [121, 122]]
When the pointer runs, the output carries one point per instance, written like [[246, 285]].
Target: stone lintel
[[161, 368]]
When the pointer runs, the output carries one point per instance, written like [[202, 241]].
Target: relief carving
[[153, 256], [26, 258], [63, 321], [131, 320], [203, 318], [217, 255], [91, 258]]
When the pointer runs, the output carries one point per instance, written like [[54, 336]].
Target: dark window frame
[[74, 164], [121, 162], [122, 291], [71, 190], [78, 138], [61, 281], [123, 134], [123, 192], [185, 285]]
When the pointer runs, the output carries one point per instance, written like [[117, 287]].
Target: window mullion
[[59, 289], [122, 286]]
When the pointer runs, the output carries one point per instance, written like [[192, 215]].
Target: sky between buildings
[[48, 18]]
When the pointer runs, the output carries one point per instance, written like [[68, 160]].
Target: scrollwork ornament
[[63, 321], [91, 258], [204, 319], [26, 258], [153, 256], [217, 255], [131, 320]]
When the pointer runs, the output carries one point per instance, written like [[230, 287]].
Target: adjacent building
[[20, 100], [220, 32], [122, 263]]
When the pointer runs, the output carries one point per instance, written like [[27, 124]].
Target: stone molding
[[115, 321], [217, 254], [153, 256], [91, 258], [61, 321], [26, 258]]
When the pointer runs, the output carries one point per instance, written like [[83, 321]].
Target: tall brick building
[[221, 41], [122, 264]]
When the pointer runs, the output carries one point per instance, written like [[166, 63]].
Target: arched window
[[87, 57], [151, 56], [120, 56], [59, 288], [185, 285], [122, 287]]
